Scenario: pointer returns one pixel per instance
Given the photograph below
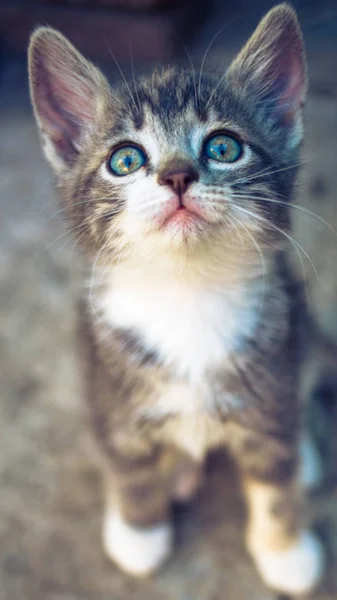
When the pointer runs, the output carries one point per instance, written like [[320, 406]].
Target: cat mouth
[[181, 213]]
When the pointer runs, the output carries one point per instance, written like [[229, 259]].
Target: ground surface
[[50, 494]]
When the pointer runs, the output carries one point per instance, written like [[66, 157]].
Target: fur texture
[[191, 324]]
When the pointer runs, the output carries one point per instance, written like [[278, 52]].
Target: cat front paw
[[137, 551], [296, 570]]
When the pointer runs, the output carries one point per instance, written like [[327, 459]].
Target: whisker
[[294, 246], [46, 206], [64, 210], [264, 172], [122, 75], [118, 100], [221, 80], [289, 237], [134, 78], [72, 250], [229, 220], [208, 49], [81, 202], [69, 232], [192, 68], [263, 262], [230, 22], [306, 211]]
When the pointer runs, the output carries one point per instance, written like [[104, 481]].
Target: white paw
[[310, 469], [296, 570], [137, 551]]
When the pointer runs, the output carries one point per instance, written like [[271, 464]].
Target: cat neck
[[207, 268]]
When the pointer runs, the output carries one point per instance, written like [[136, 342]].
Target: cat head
[[175, 160]]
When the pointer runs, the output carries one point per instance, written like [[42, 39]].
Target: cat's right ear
[[271, 70], [67, 94]]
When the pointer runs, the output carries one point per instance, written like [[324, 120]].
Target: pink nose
[[178, 178]]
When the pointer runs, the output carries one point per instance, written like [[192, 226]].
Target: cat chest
[[191, 331]]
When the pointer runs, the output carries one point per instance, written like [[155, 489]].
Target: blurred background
[[50, 501]]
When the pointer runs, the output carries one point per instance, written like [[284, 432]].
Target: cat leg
[[288, 556], [137, 529]]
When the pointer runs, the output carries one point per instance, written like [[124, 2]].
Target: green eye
[[127, 160], [223, 148]]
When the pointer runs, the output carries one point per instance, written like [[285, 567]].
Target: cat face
[[175, 161]]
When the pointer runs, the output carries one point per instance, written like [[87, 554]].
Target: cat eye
[[223, 148], [127, 160]]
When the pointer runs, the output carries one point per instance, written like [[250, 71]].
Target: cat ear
[[66, 92], [272, 68]]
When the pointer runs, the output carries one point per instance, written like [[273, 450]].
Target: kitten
[[178, 188]]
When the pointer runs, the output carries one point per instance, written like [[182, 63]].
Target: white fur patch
[[136, 551], [192, 327], [296, 570]]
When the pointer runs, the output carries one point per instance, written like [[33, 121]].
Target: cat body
[[178, 188]]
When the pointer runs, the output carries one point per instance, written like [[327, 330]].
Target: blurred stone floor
[[50, 497]]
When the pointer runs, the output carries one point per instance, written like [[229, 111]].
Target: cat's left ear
[[67, 93], [271, 68]]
